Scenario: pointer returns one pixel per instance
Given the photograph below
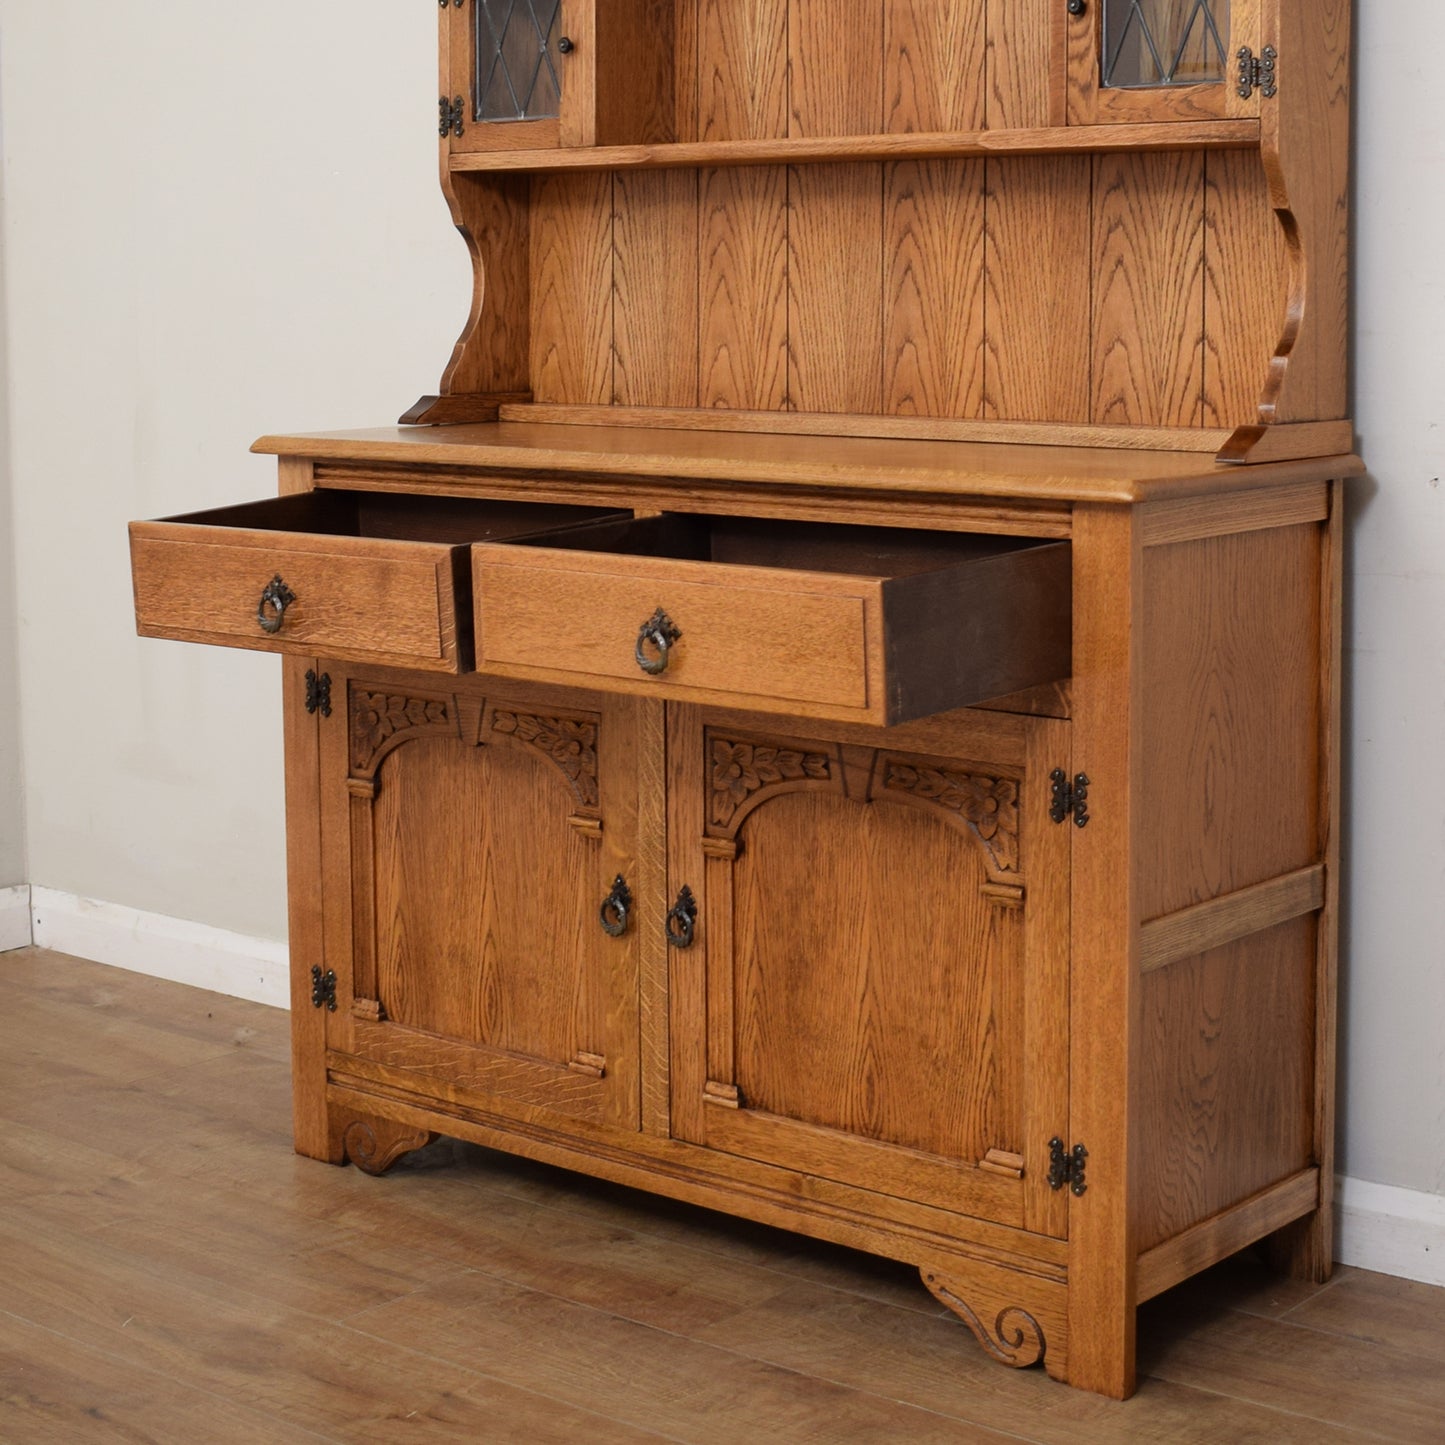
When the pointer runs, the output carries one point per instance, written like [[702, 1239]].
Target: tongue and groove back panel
[[1112, 290]]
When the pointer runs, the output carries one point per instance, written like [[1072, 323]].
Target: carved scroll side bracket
[[1016, 1338]]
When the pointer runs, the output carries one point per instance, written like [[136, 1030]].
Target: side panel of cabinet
[[876, 988], [469, 836]]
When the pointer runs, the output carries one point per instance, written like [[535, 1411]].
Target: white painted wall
[[12, 816], [240, 231], [222, 220]]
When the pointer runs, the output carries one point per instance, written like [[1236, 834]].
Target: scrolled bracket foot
[[374, 1145], [1015, 1337]]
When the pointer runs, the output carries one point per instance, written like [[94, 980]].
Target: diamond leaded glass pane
[[516, 64], [1164, 42]]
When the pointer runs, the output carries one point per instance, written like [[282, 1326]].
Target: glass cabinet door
[[509, 71], [1149, 60]]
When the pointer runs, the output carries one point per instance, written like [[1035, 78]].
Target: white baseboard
[[14, 917], [1394, 1231], [170, 948]]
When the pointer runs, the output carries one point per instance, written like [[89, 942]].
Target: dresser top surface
[[975, 469]]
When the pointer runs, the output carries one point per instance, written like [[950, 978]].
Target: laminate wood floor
[[171, 1271]]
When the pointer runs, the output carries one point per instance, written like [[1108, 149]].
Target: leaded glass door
[[1154, 60], [517, 73]]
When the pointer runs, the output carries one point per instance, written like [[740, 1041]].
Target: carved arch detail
[[988, 807], [382, 721], [568, 743], [743, 773]]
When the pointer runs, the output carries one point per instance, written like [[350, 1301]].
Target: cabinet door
[[528, 74], [470, 837], [1160, 60], [875, 988]]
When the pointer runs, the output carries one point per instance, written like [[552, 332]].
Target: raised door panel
[[470, 838], [875, 991]]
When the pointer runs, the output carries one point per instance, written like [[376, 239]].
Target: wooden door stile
[[1104, 989]]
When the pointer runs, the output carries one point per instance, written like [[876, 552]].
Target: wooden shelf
[[1051, 140]]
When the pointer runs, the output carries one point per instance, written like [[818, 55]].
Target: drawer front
[[360, 599], [757, 636]]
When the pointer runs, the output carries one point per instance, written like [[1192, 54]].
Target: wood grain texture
[[743, 70], [1246, 292], [571, 288], [1205, 926], [1305, 146], [1104, 992], [492, 214], [687, 27], [655, 289], [1226, 1077], [1020, 66], [835, 289], [1226, 1233], [1231, 713], [636, 61], [934, 65], [742, 272], [1037, 345], [1195, 518], [835, 67], [1052, 139], [933, 309], [1148, 296]]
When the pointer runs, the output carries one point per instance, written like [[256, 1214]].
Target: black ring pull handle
[[613, 913], [681, 925], [655, 639], [276, 596]]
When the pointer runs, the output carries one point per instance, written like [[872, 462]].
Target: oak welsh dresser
[[831, 712]]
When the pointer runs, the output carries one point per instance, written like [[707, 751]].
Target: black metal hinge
[[450, 117], [318, 692], [323, 988], [1257, 72], [1071, 800], [1067, 1166]]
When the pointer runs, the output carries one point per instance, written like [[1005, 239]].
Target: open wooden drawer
[[358, 576], [867, 624]]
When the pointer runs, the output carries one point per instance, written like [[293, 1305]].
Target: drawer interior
[[448, 521], [831, 547]]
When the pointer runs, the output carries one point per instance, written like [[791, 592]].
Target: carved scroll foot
[[1010, 1334], [374, 1145]]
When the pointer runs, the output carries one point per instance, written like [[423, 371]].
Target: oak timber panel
[[835, 67], [1148, 322], [493, 216], [743, 325], [1226, 1077], [1230, 714], [571, 287], [485, 901], [1037, 286], [835, 301], [1246, 285], [635, 83], [1021, 71], [874, 981], [743, 70], [655, 288], [933, 314], [934, 65]]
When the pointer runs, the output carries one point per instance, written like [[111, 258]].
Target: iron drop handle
[[658, 633], [276, 596], [614, 910], [681, 923]]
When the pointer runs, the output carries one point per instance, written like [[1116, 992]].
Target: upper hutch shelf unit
[[840, 725]]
